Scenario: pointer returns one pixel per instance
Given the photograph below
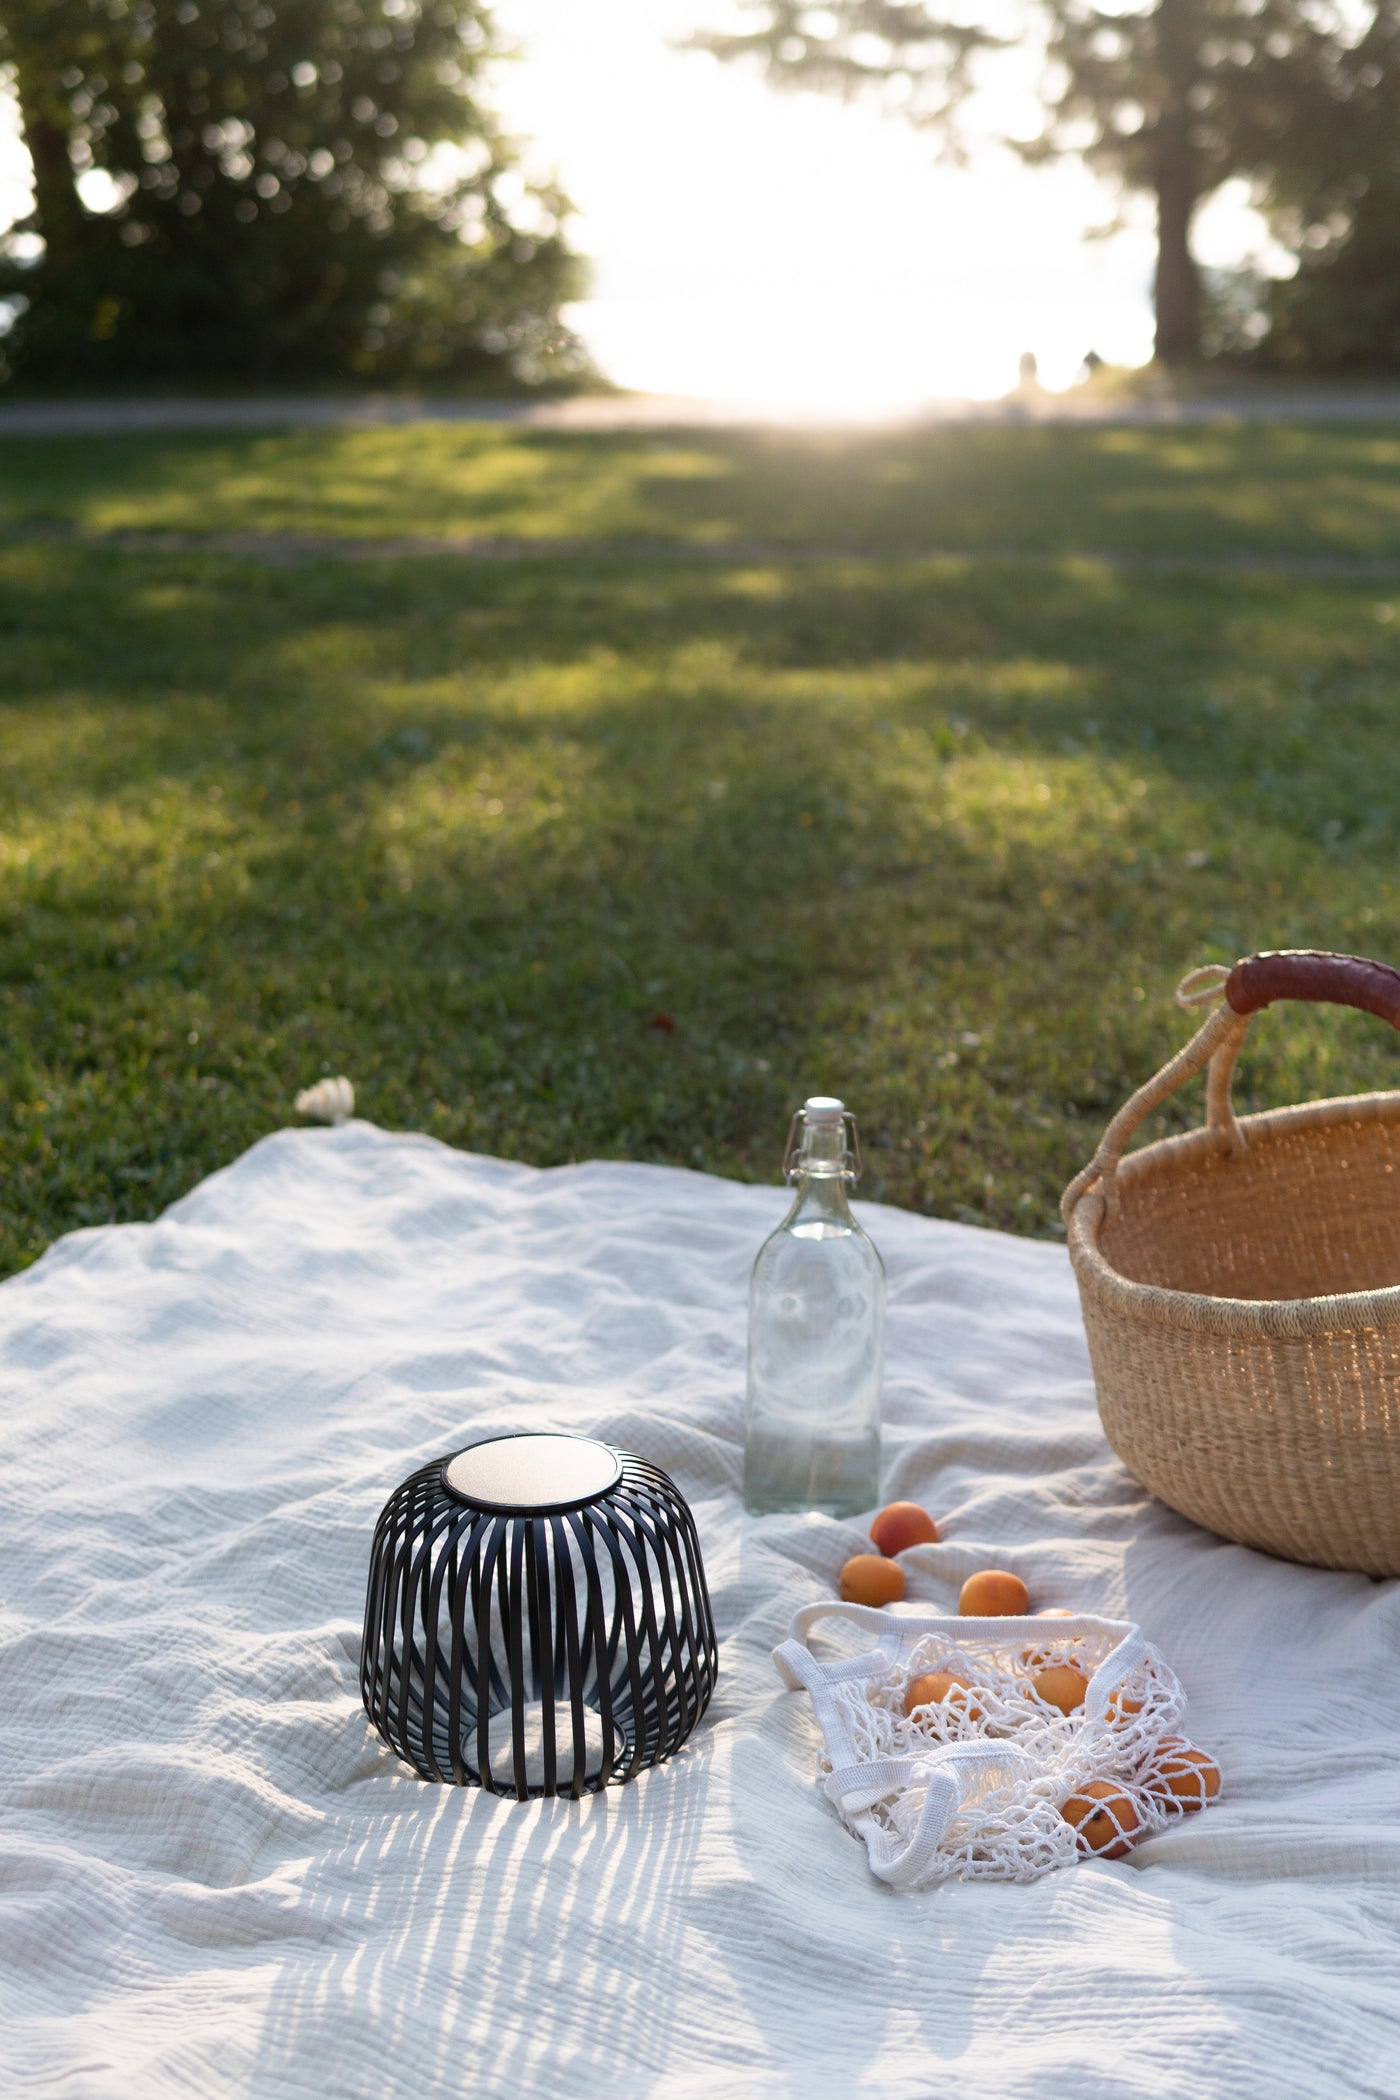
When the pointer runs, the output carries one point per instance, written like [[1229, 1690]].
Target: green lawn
[[937, 834], [1332, 489]]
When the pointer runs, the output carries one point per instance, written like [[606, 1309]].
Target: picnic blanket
[[214, 1880]]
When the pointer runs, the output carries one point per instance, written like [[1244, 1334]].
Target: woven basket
[[1241, 1289]]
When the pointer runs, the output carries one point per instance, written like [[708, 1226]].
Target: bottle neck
[[821, 1184]]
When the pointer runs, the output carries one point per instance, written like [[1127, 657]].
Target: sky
[[800, 252]]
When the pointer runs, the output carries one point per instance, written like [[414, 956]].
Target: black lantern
[[537, 1620]]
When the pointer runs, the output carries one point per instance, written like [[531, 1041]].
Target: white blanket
[[214, 1880]]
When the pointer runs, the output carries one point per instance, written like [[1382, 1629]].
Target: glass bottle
[[816, 1336]]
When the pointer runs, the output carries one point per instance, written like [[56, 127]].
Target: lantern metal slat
[[553, 1639]]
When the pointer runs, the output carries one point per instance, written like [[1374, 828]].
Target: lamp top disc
[[537, 1471]]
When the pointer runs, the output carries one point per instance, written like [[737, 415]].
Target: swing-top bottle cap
[[817, 1140]]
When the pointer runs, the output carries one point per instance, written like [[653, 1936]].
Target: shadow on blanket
[[441, 1933]]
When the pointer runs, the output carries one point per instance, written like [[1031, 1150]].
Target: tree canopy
[[262, 189], [1335, 201], [1176, 98], [1170, 97]]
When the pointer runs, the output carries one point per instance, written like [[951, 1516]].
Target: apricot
[[993, 1594], [1103, 1817], [1061, 1685], [938, 1685], [1056, 1611], [901, 1525], [1122, 1706], [1189, 1775], [868, 1578]]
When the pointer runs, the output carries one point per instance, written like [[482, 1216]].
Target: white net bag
[[990, 1780]]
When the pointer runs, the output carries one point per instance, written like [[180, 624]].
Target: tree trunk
[[1177, 288], [1177, 285], [57, 208]]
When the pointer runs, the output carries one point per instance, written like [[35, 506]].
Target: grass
[[1291, 489], [595, 856]]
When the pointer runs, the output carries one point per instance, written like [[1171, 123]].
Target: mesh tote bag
[[977, 1784]]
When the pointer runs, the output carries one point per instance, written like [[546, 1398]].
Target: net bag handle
[[1310, 975]]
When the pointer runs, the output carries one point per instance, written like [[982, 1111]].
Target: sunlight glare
[[792, 249], [798, 251]]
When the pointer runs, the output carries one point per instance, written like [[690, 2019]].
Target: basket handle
[[1319, 978], [1307, 974]]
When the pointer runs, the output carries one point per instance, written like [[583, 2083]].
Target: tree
[[1335, 201], [1177, 98], [249, 189], [920, 62], [1171, 98]]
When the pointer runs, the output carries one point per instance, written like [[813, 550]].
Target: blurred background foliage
[[270, 190], [257, 191], [1337, 203]]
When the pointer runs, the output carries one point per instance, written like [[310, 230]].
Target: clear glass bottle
[[816, 1336]]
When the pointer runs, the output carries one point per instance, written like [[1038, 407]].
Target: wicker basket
[[1241, 1289]]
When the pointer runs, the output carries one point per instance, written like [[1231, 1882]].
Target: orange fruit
[[1104, 1818], [938, 1685], [993, 1594], [1061, 1685], [1122, 1706], [901, 1525], [1189, 1775], [868, 1578]]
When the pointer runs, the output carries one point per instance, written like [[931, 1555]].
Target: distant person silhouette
[[1092, 365], [1030, 372]]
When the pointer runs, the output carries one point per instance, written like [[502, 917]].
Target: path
[[604, 412]]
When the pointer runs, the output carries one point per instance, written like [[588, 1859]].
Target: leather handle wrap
[[1313, 975]]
